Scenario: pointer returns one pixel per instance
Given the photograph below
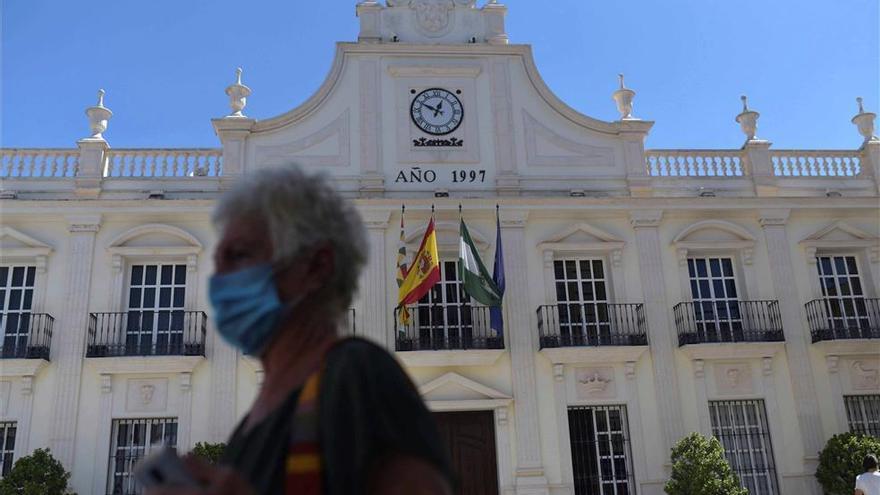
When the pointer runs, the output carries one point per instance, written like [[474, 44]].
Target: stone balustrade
[[695, 163], [816, 163], [163, 163], [38, 163]]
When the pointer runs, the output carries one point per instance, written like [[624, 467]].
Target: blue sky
[[165, 64]]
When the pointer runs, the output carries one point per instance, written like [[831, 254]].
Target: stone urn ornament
[[98, 116], [748, 119], [864, 121], [238, 94], [624, 99]]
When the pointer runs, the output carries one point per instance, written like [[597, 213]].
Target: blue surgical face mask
[[246, 306]]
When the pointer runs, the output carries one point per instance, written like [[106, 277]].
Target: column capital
[[106, 383], [558, 372], [767, 365], [376, 220], [699, 368], [513, 219], [773, 217], [185, 381], [629, 370], [84, 223], [832, 363], [645, 218], [27, 385]]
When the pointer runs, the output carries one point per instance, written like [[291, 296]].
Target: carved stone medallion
[[595, 383], [865, 375], [146, 395], [733, 379], [433, 16]]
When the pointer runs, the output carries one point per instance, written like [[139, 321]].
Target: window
[[7, 446], [582, 301], [132, 440], [716, 301], [863, 414], [600, 450], [16, 300], [741, 427], [156, 301], [842, 292], [444, 315]]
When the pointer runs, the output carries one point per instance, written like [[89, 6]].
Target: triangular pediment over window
[[14, 243], [447, 237], [454, 387], [841, 235], [582, 237]]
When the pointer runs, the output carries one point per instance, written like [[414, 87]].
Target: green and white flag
[[473, 274]]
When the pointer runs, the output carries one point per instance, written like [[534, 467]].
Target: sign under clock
[[436, 111]]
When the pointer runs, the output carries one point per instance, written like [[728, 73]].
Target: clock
[[436, 111]]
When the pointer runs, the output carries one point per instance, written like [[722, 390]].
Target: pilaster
[[23, 433], [374, 282], [634, 133], [233, 133], [832, 362], [224, 377], [774, 414], [530, 478], [661, 335], [779, 254], [372, 182], [90, 168], [759, 165], [69, 343], [103, 432], [562, 430], [702, 396], [507, 180], [637, 439], [184, 412]]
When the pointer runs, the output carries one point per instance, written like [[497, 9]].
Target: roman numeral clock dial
[[436, 111]]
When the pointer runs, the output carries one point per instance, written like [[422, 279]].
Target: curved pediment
[[713, 231], [155, 235]]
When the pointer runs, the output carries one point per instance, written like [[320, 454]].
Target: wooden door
[[470, 438]]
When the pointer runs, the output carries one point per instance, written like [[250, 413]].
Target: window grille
[[16, 300], [600, 450], [7, 446], [716, 301], [444, 315], [741, 427], [582, 300], [842, 291], [132, 440], [863, 414]]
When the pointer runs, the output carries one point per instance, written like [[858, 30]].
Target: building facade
[[650, 293]]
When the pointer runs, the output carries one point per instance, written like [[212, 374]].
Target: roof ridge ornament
[[864, 121], [98, 116], [238, 94], [748, 120], [624, 99]]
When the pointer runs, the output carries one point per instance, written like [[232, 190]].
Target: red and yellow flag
[[423, 272]]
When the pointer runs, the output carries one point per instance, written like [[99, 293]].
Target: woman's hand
[[215, 480]]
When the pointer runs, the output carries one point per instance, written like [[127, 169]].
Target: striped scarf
[[303, 465]]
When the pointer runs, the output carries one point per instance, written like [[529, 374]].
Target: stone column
[[660, 331], [68, 348], [184, 412], [23, 433], [374, 312], [103, 434], [779, 253], [224, 377], [519, 333]]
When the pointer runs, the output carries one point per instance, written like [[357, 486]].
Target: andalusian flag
[[473, 274], [424, 271]]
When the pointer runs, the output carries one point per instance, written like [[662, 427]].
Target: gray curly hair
[[302, 211]]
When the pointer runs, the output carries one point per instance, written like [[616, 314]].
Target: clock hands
[[438, 110]]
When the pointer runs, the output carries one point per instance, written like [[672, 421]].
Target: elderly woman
[[334, 416]]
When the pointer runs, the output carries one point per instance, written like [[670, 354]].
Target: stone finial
[[238, 94], [624, 99], [864, 121], [98, 116], [748, 119]]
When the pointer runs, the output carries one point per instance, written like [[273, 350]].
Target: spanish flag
[[423, 272]]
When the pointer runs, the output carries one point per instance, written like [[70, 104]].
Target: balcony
[[843, 318], [591, 324], [446, 327], [707, 322], [26, 335], [147, 333]]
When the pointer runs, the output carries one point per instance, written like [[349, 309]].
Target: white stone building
[[650, 293]]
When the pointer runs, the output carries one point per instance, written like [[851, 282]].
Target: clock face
[[436, 111]]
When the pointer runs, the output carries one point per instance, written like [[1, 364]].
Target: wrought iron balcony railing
[[147, 333], [836, 318], [446, 327], [703, 322], [591, 324], [26, 335]]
